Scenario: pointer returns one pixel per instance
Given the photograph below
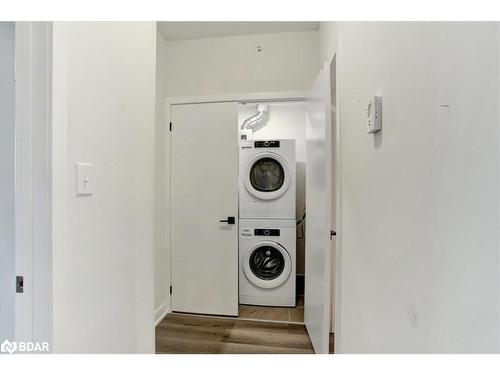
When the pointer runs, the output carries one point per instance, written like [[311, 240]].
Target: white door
[[319, 212], [204, 192]]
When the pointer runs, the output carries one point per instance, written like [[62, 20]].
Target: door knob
[[230, 220]]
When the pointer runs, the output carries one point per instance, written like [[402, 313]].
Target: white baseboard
[[161, 312]]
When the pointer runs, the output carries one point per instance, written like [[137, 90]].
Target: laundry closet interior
[[244, 192]]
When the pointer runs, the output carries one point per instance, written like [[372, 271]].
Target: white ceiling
[[199, 30]]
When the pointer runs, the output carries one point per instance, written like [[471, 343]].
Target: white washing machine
[[267, 262], [267, 179]]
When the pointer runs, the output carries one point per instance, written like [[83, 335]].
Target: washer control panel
[[259, 232], [267, 144], [266, 232]]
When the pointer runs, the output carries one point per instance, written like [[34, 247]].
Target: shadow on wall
[[377, 139]]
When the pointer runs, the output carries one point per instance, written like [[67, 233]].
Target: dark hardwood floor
[[279, 314], [179, 333]]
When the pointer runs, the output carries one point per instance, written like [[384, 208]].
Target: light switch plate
[[83, 179]]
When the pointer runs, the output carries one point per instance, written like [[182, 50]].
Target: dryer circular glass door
[[267, 176], [267, 264]]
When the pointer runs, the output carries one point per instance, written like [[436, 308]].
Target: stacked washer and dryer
[[267, 243]]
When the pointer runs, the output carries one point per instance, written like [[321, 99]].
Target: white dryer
[[267, 262], [267, 179]]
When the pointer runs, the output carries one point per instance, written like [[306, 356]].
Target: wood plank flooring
[[179, 333], [282, 314]]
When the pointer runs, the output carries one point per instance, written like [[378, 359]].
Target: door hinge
[[170, 126], [19, 284], [332, 234], [170, 289]]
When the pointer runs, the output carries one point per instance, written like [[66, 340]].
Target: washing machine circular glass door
[[267, 176], [267, 264]]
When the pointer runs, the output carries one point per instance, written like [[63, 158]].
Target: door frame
[[333, 178], [7, 181], [33, 195], [253, 97], [337, 159]]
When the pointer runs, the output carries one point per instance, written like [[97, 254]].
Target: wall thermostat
[[374, 115]]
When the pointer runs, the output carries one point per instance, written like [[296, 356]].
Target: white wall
[[162, 180], [286, 121], [103, 245], [7, 180], [419, 245], [288, 61]]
